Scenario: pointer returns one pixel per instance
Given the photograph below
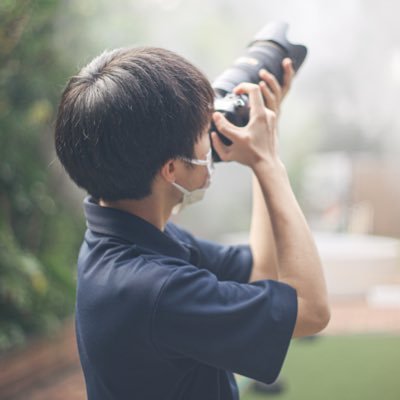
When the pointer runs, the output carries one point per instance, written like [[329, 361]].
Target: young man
[[161, 314]]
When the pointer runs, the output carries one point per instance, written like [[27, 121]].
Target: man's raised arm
[[298, 262]]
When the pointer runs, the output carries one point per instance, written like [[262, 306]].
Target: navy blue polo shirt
[[161, 315]]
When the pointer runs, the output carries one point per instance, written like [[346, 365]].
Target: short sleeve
[[228, 263], [242, 328]]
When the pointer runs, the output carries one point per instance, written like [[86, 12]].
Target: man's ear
[[168, 171]]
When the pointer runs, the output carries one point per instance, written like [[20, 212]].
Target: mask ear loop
[[180, 188]]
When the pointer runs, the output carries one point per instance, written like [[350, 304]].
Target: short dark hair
[[127, 113]]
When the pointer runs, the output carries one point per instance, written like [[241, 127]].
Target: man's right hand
[[255, 143]]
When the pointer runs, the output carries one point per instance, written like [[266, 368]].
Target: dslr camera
[[267, 50]]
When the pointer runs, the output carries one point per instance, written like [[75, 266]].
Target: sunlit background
[[339, 139]]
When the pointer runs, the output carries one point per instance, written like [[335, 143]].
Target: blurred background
[[339, 139]]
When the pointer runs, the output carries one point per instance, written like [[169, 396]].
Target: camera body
[[267, 50]]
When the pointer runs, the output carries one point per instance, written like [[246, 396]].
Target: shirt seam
[[151, 335]]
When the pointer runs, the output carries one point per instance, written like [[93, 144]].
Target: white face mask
[[190, 197]]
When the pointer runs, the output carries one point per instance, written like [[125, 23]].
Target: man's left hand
[[272, 92]]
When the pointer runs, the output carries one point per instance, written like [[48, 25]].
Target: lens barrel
[[267, 50]]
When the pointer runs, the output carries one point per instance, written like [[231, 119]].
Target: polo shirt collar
[[131, 228]]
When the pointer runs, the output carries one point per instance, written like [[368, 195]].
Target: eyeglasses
[[208, 162]]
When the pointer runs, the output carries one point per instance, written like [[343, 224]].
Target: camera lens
[[259, 55], [267, 50]]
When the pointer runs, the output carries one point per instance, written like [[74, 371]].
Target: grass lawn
[[364, 367]]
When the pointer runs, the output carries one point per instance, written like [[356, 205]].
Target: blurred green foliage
[[39, 235]]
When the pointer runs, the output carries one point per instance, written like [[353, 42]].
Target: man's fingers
[[224, 126], [255, 97], [271, 82], [221, 149], [288, 74], [269, 97]]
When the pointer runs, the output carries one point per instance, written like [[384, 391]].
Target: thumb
[[225, 127], [222, 150]]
